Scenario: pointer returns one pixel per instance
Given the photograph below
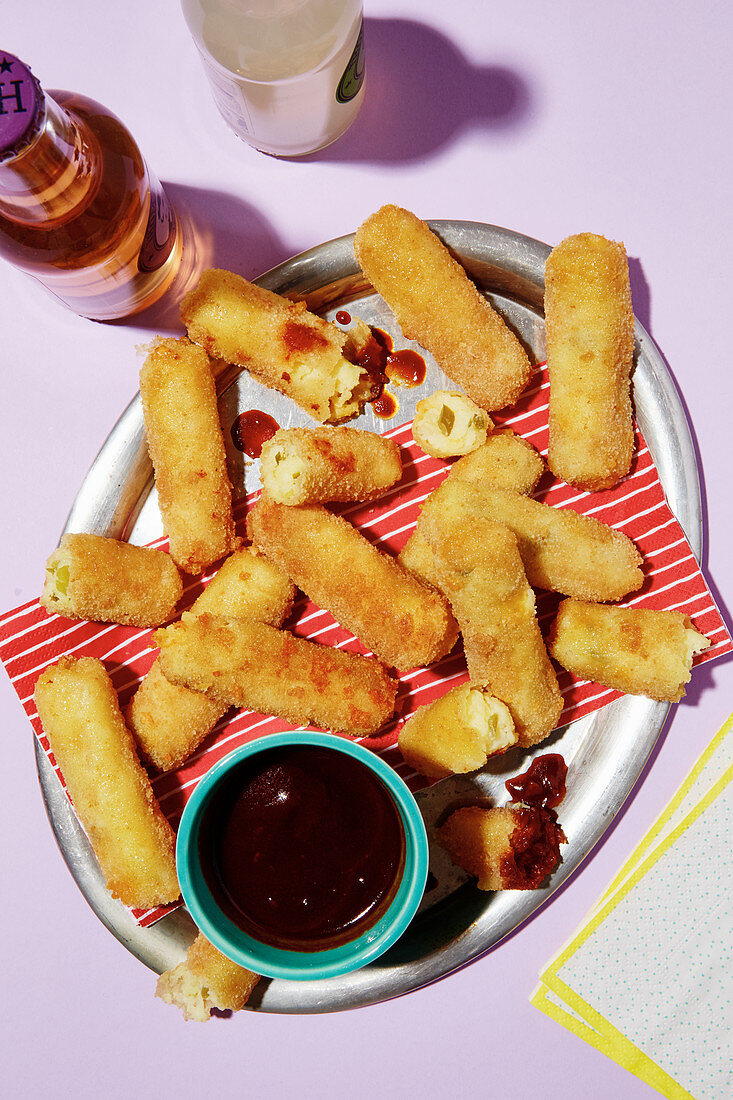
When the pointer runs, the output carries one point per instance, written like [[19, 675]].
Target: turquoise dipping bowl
[[276, 962]]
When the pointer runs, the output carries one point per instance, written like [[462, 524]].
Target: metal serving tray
[[605, 751]]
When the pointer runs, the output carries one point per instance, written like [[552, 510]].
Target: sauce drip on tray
[[251, 430], [543, 783]]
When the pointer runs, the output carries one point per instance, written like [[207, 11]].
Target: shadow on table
[[422, 93], [229, 233], [641, 298]]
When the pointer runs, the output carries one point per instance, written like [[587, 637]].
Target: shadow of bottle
[[421, 94]]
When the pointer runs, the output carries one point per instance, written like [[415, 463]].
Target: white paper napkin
[[648, 980]]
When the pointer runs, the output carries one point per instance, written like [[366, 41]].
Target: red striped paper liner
[[31, 639]]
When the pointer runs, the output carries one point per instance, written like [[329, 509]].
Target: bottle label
[[160, 232], [353, 77], [229, 99]]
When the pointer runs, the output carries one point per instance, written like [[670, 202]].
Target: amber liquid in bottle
[[80, 212]]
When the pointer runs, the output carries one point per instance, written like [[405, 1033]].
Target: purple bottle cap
[[21, 102]]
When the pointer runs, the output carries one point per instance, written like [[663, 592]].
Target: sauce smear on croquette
[[302, 848]]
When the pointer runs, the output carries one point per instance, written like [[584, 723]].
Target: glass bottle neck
[[46, 181]]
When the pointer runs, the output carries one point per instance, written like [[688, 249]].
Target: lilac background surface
[[548, 119]]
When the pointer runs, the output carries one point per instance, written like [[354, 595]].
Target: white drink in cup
[[287, 75]]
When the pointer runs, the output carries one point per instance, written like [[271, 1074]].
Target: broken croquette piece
[[448, 424], [110, 790], [404, 622], [187, 451], [279, 342], [206, 979], [242, 663], [590, 346], [507, 848], [107, 581], [635, 650], [169, 721], [457, 733], [437, 305], [314, 465]]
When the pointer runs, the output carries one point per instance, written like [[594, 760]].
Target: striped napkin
[[30, 639], [647, 980]]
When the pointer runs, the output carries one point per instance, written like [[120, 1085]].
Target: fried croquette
[[456, 733], [169, 722], [562, 550], [448, 424], [481, 572], [635, 650], [206, 979], [187, 451], [280, 343], [91, 577], [110, 790], [404, 622], [437, 305], [505, 461], [242, 663], [590, 346], [314, 465], [506, 847]]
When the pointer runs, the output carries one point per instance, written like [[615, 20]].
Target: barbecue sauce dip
[[302, 848]]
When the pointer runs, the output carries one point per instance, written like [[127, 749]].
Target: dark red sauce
[[251, 430], [372, 358], [342, 317], [543, 783], [406, 367], [385, 406], [535, 848], [302, 848]]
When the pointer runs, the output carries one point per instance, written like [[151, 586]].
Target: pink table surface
[[548, 119]]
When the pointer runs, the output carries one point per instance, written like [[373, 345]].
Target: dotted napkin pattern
[[648, 979], [31, 639]]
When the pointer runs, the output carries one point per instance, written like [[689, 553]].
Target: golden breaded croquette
[[506, 461], [505, 847], [436, 304], [589, 327], [248, 664], [448, 424], [187, 451], [110, 790], [279, 342], [635, 650], [562, 550], [107, 581], [314, 465], [248, 586], [457, 733], [481, 572], [168, 721], [404, 622], [206, 979]]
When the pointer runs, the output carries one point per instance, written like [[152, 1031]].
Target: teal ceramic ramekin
[[278, 962]]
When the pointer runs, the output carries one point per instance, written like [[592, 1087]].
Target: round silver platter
[[605, 751]]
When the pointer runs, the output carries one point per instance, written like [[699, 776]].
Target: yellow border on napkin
[[636, 856], [597, 1030]]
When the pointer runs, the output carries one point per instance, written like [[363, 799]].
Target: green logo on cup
[[353, 77]]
